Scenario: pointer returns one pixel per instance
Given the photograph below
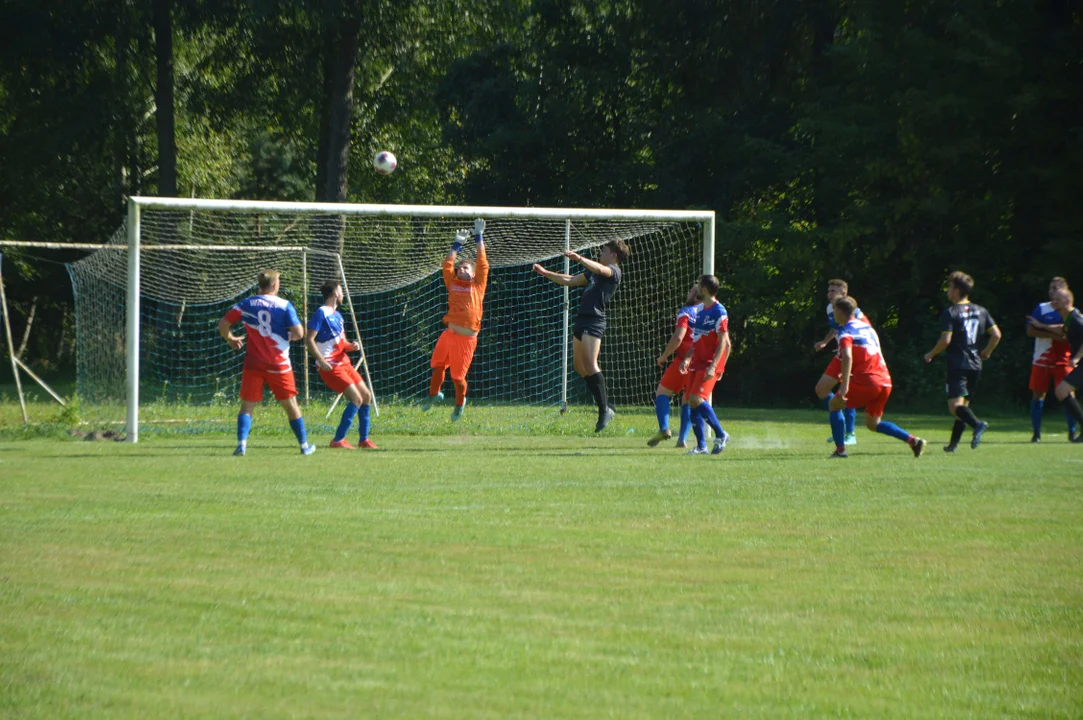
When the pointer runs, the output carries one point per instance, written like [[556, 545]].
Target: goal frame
[[136, 204]]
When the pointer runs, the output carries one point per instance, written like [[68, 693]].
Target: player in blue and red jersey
[[673, 380], [1051, 356], [704, 363], [836, 289], [864, 381], [1072, 331], [326, 342], [270, 324]]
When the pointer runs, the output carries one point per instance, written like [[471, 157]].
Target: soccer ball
[[384, 162]]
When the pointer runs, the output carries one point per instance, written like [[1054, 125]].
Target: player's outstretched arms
[[457, 245], [560, 278], [595, 267]]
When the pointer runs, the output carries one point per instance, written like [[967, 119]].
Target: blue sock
[[850, 414], [298, 427], [348, 414], [244, 426], [707, 412], [686, 422], [364, 424], [838, 427], [661, 411], [698, 428], [1036, 415], [1072, 424], [827, 401], [889, 428]]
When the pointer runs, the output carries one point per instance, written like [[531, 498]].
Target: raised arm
[[560, 278], [481, 274], [594, 267]]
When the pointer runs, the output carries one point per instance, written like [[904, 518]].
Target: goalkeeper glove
[[459, 237], [479, 228]]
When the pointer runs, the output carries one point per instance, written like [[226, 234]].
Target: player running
[[673, 380], [704, 363], [1051, 355], [270, 324], [961, 327], [836, 289], [1064, 302], [326, 343], [466, 284], [601, 280], [864, 380]]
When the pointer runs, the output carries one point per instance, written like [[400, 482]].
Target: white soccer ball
[[384, 162]]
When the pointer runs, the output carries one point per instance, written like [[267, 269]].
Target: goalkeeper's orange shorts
[[673, 379], [454, 351], [282, 384], [340, 377]]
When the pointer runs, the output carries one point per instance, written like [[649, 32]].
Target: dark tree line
[[885, 143]]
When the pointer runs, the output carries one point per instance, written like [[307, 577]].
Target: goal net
[[196, 258]]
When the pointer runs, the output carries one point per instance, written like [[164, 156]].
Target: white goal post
[[417, 237]]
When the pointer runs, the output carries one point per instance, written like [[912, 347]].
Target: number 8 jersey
[[968, 323], [267, 322]]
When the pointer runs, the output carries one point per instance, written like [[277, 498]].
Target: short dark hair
[[845, 305], [267, 279], [620, 249], [836, 282], [1059, 283], [710, 284], [961, 282], [328, 288]]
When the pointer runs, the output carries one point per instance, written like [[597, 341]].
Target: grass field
[[478, 576]]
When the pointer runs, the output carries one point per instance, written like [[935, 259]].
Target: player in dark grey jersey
[[600, 280], [962, 326], [1064, 303]]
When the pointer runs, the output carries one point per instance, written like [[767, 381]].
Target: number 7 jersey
[[267, 322], [968, 323]]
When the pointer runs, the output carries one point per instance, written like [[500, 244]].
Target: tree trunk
[[343, 71], [325, 114], [123, 122], [163, 99]]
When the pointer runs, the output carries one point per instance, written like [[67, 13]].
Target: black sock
[[957, 431], [1072, 404], [596, 383], [964, 413]]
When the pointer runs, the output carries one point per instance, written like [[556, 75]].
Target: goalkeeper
[[466, 283]]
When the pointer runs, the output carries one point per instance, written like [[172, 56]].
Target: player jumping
[[466, 284], [1051, 354], [673, 380], [601, 280], [704, 363], [326, 342], [864, 380], [961, 327], [1064, 302], [836, 289], [270, 324]]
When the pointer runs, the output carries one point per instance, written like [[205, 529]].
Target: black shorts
[[1075, 378], [590, 326], [962, 383]]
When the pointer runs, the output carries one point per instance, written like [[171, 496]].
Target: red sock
[[437, 381], [460, 391]]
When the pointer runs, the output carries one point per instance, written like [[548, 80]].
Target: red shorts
[[834, 368], [340, 377], [673, 379], [455, 351], [871, 397], [1040, 377], [282, 384], [699, 384]]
